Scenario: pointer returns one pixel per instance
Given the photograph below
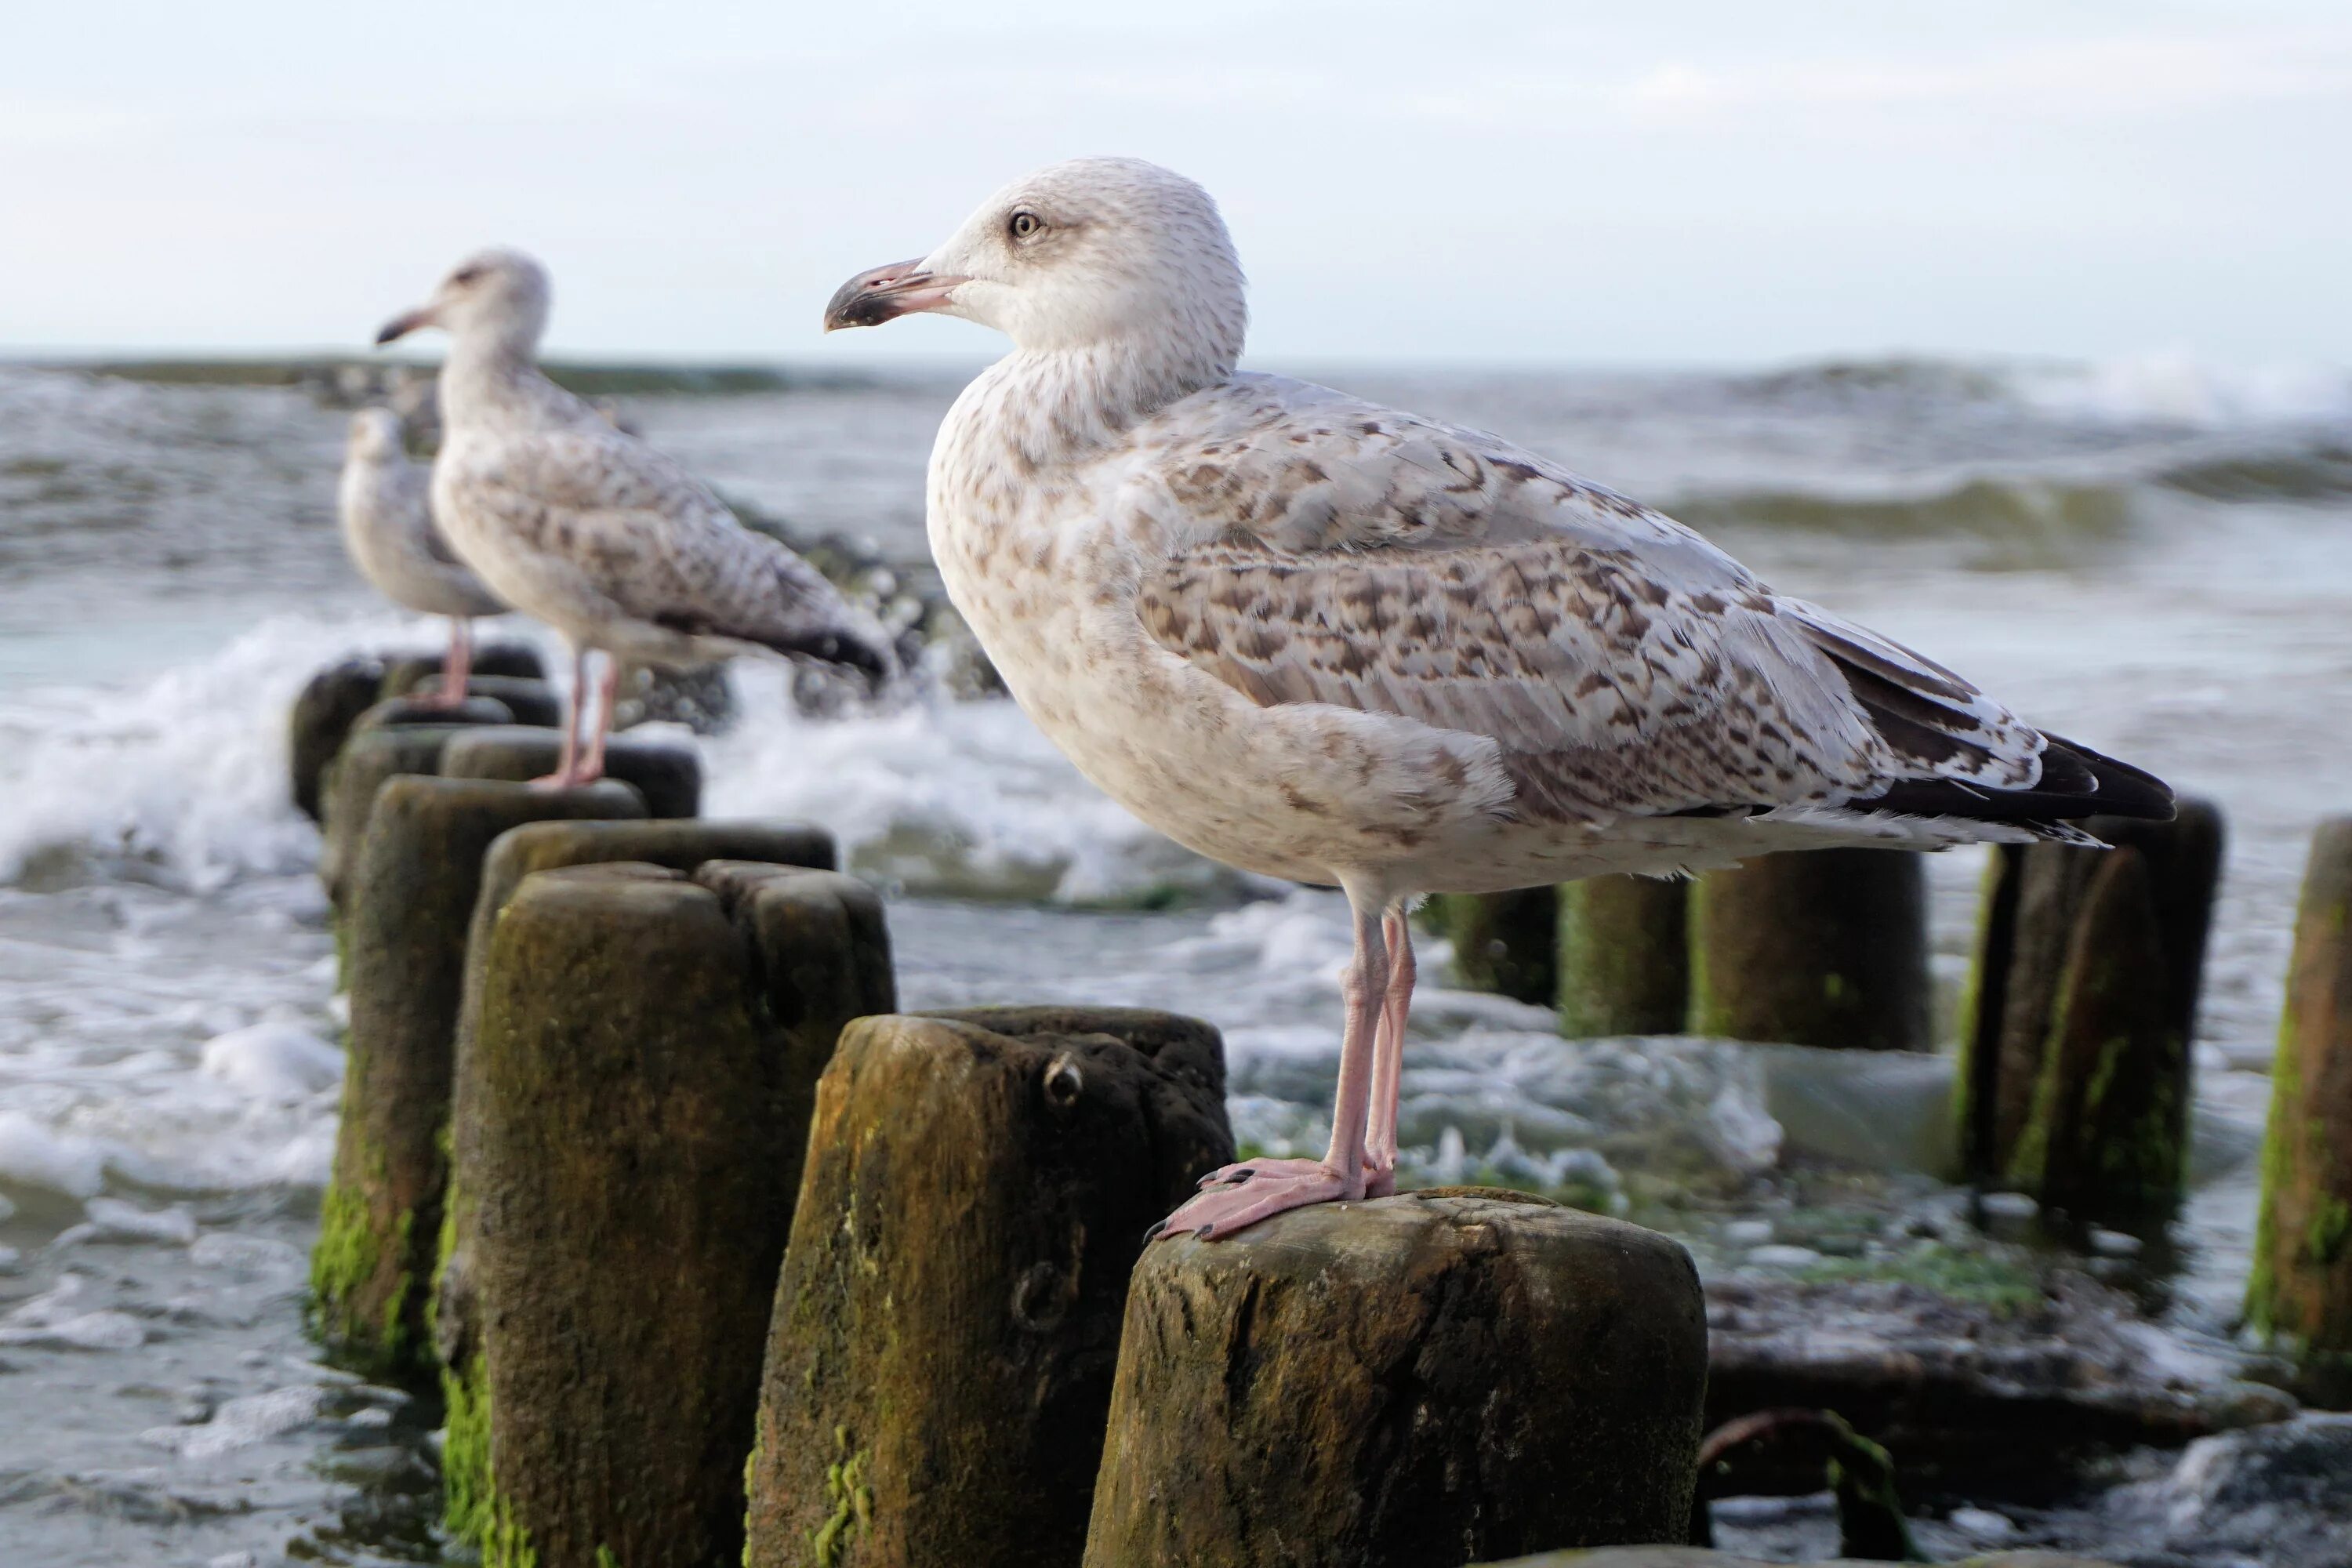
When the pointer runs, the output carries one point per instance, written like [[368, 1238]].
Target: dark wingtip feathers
[[2076, 781]]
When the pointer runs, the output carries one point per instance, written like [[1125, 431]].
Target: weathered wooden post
[[328, 705], [668, 775], [645, 1053], [1412, 1382], [368, 758], [418, 868], [683, 846], [476, 709], [1822, 947], [2301, 1287], [406, 673], [1624, 964], [527, 697], [939, 1360], [2075, 1056], [1502, 942]]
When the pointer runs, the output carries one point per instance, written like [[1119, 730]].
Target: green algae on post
[[641, 1052], [1518, 1377], [1818, 947], [1624, 964], [2300, 1291], [417, 869], [977, 1191]]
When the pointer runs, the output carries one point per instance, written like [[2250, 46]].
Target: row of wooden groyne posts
[[719, 1258]]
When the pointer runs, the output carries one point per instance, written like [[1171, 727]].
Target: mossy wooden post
[[476, 709], [2075, 1058], [647, 1050], [520, 660], [940, 1363], [418, 868], [1412, 1382], [1624, 964], [368, 758], [668, 775], [330, 704], [679, 846], [1502, 942], [1821, 947], [2301, 1287]]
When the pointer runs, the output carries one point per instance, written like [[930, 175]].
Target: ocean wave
[[2069, 515], [185, 772], [943, 797], [2319, 470], [2177, 389]]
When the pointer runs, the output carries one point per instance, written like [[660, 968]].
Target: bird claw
[[1237, 1197]]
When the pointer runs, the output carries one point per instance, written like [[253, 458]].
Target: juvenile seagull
[[1327, 641], [389, 531], [595, 532]]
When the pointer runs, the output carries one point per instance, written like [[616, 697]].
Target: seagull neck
[[1066, 403], [484, 376]]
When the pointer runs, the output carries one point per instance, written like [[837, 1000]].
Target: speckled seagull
[[591, 531], [1325, 641], [388, 529]]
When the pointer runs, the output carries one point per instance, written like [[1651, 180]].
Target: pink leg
[[1388, 1055], [561, 777], [608, 686], [1242, 1194], [450, 690]]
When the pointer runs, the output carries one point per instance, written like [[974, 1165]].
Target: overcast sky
[[1677, 182]]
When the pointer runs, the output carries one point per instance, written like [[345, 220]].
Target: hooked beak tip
[[399, 327], [887, 293]]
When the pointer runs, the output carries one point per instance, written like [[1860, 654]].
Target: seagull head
[[1089, 253], [493, 296], [375, 436]]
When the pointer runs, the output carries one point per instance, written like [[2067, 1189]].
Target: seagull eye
[[465, 274], [1025, 225]]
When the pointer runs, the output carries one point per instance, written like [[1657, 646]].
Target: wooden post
[[404, 674], [646, 1052], [978, 1188], [1624, 964], [476, 709], [683, 846], [1504, 942], [2075, 1074], [2301, 1285], [668, 775], [1418, 1382], [418, 869], [368, 758], [1821, 947], [330, 704]]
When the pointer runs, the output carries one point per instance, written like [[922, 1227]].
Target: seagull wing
[[1341, 553], [649, 537]]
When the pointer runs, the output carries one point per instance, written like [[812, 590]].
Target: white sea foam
[[938, 796], [276, 1059], [2177, 389], [187, 769]]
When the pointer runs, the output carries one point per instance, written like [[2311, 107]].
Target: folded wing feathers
[[1352, 555], [656, 542]]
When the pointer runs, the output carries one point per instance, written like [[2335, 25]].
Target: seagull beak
[[888, 293], [400, 326]]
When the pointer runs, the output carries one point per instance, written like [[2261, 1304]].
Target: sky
[[1682, 182]]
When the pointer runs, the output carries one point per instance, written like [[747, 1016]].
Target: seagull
[[1329, 641], [388, 529], [576, 522]]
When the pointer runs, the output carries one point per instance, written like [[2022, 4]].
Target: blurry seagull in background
[[388, 529], [590, 529], [1325, 641]]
